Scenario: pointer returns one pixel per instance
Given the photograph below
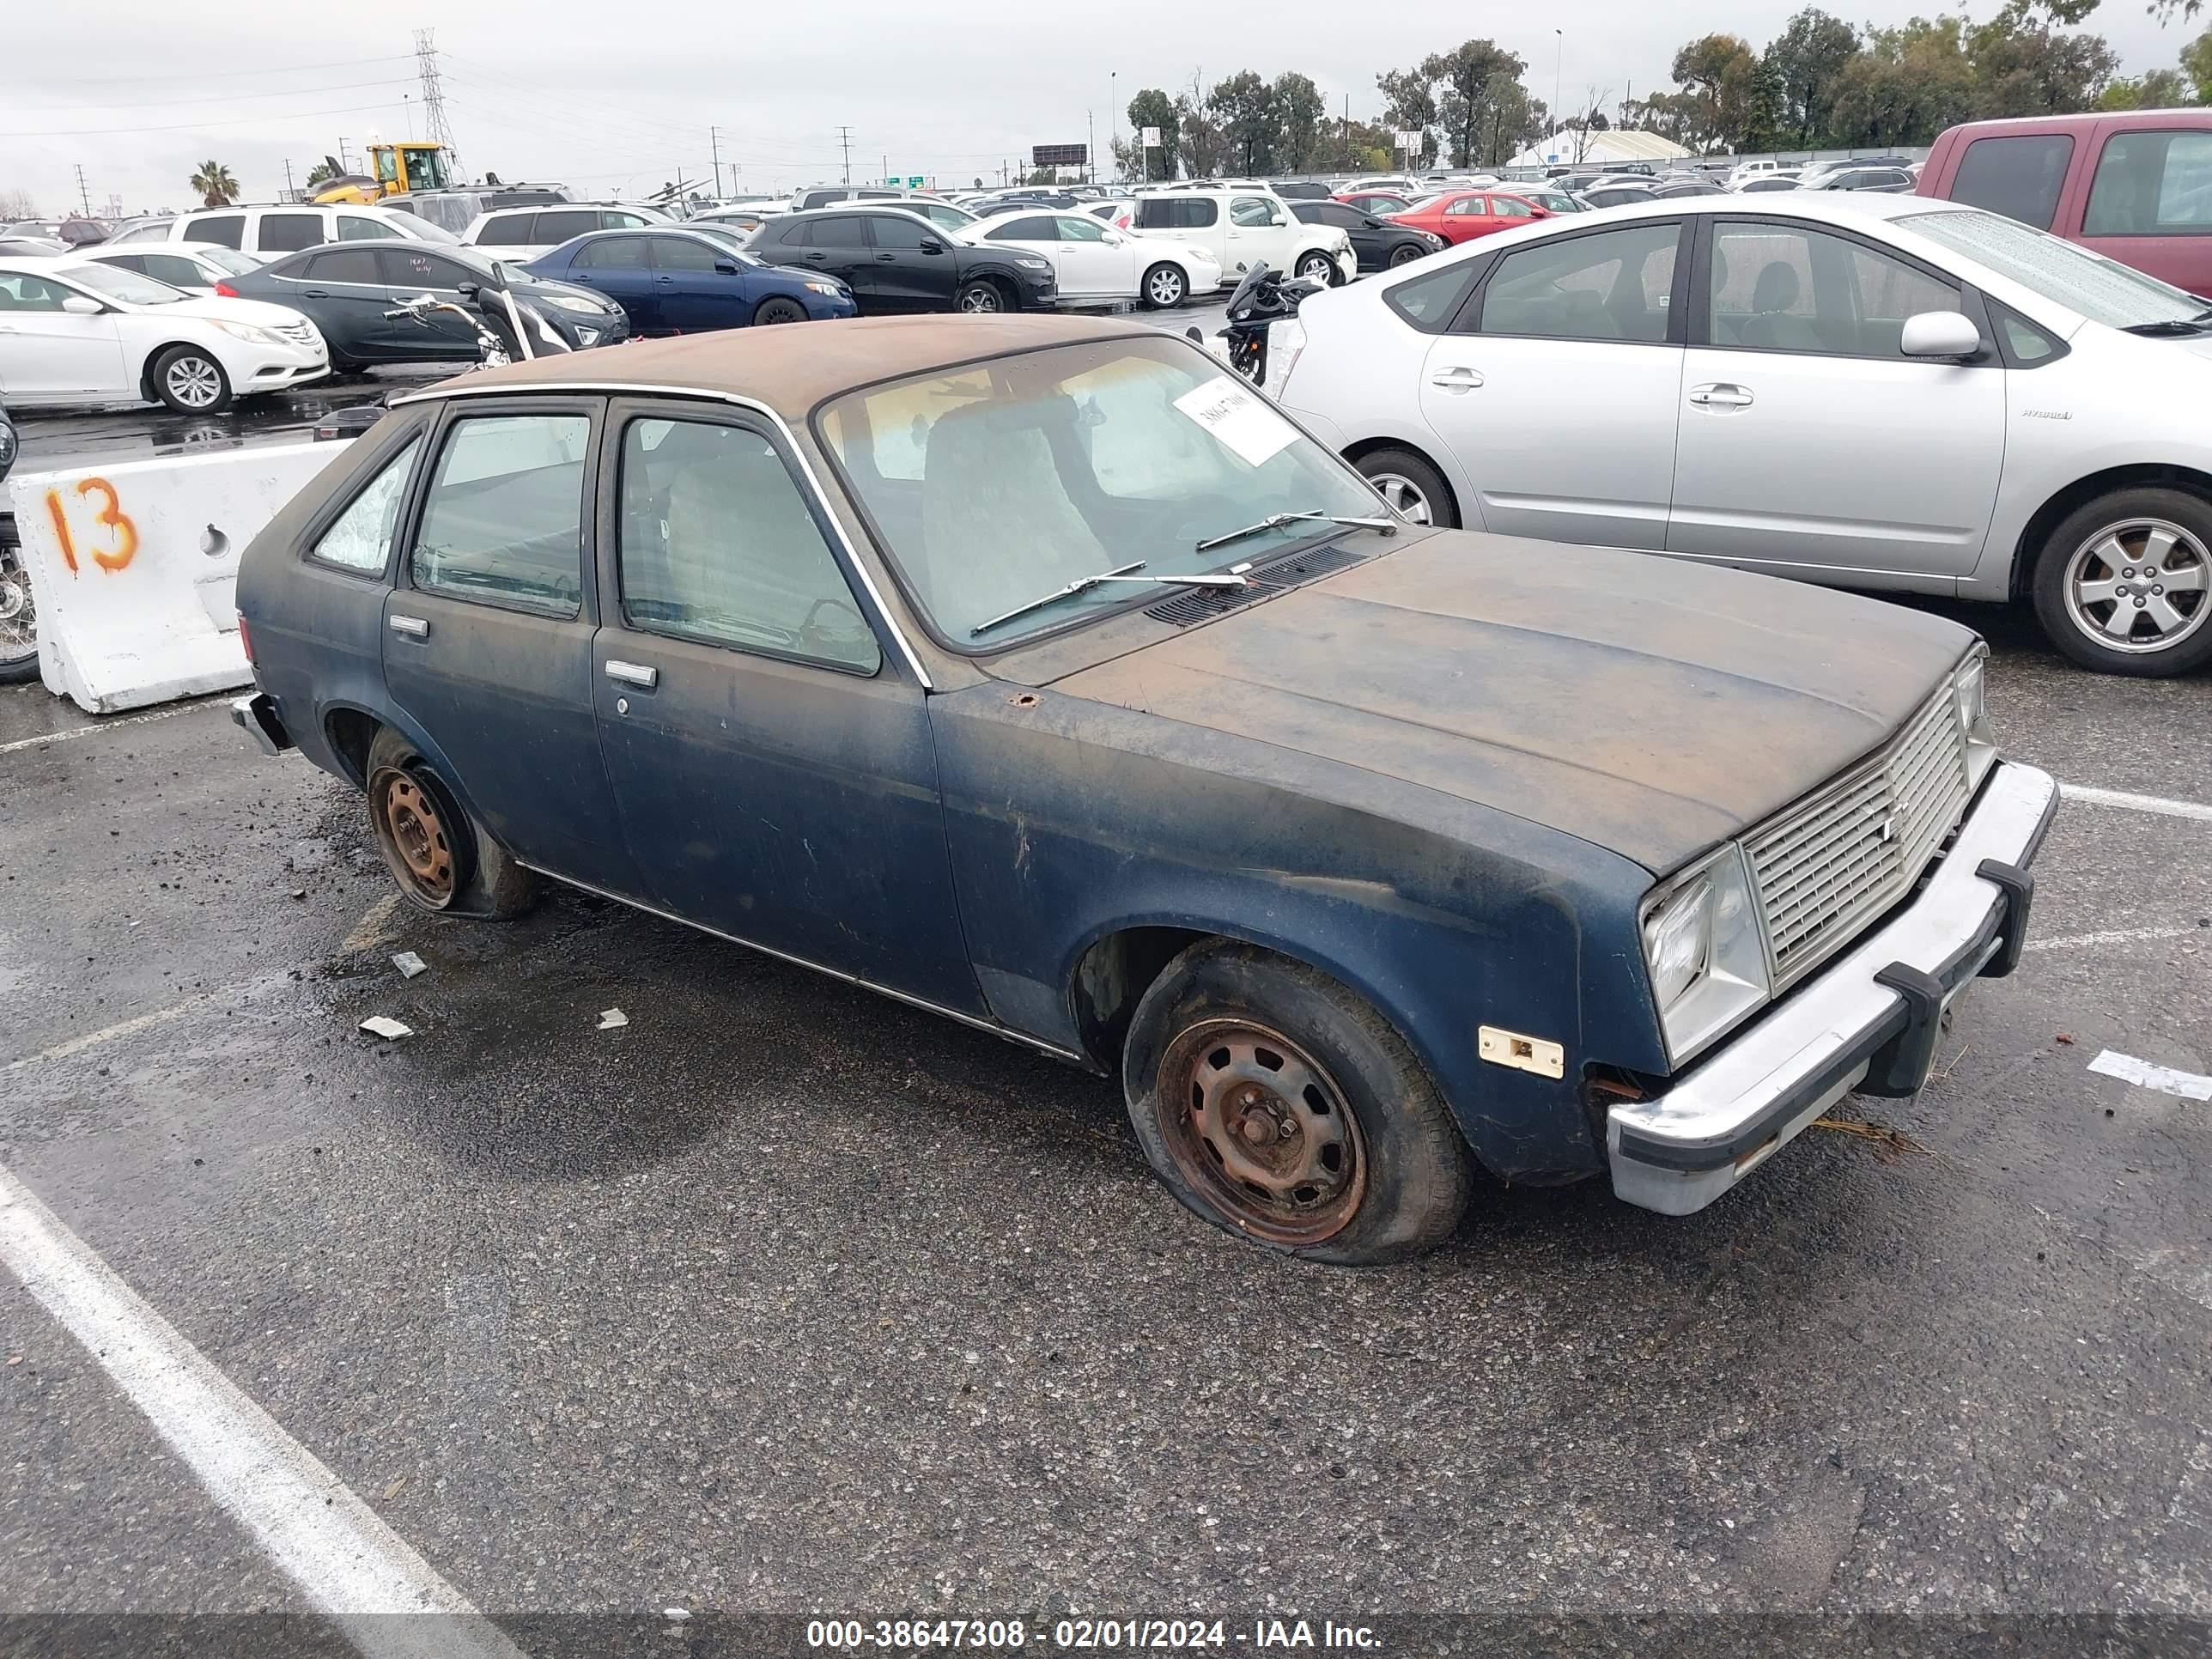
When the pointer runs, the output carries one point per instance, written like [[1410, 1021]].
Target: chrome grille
[[299, 333], [1829, 863]]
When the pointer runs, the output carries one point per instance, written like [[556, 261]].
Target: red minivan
[[2136, 186]]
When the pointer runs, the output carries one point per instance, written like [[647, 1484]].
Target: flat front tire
[[1278, 1105], [2123, 585], [443, 860]]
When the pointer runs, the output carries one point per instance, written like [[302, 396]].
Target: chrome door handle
[[1460, 379], [1720, 394], [415, 627], [633, 673]]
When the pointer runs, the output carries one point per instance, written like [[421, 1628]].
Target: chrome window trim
[[600, 389]]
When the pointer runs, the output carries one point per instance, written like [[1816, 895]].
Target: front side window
[[2152, 184], [1777, 288], [1253, 213], [288, 232], [717, 545], [408, 268], [360, 539], [899, 232], [681, 253], [1074, 228], [1611, 286], [504, 519], [609, 253], [1507, 207], [2019, 177], [223, 229], [1102, 453], [1036, 228]]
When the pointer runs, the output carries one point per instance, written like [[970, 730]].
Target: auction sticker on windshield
[[1229, 411]]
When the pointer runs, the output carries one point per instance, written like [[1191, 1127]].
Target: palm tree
[[215, 186]]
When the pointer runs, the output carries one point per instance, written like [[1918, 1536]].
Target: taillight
[[245, 641], [228, 291]]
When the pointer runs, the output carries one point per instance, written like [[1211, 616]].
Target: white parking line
[[347, 1562], [108, 725], [2126, 802]]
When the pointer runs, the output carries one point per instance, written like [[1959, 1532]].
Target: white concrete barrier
[[134, 568]]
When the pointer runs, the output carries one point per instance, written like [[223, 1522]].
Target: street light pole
[[1113, 119], [1558, 57]]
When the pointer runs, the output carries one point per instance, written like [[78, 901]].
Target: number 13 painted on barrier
[[111, 516]]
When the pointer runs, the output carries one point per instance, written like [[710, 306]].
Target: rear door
[[2150, 202], [620, 267], [488, 637], [1557, 388], [1809, 444], [774, 770], [836, 243]]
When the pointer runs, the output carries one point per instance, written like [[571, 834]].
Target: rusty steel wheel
[[417, 842], [1264, 1131]]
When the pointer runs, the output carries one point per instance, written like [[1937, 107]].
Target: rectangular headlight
[[1970, 686], [1706, 952]]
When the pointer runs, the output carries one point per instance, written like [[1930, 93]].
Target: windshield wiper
[[1119, 574], [1278, 521], [2175, 326]]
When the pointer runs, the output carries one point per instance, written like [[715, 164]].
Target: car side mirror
[[78, 305], [1940, 334], [469, 291], [726, 267], [1112, 238], [1374, 224], [931, 245]]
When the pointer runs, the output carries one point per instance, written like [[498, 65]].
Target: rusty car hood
[[1651, 706]]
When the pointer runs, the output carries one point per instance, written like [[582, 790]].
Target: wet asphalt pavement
[[788, 1298]]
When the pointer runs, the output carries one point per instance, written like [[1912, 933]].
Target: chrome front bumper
[[1868, 1022]]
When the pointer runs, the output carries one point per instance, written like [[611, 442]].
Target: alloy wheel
[[1318, 268], [1404, 496], [980, 300], [1263, 1131], [1165, 289], [194, 382], [2140, 585]]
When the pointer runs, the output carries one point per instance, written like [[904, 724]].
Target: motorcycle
[[527, 328], [1265, 297], [19, 615]]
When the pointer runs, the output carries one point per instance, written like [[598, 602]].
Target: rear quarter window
[[1428, 302]]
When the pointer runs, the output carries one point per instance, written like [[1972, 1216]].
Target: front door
[[1085, 262], [347, 293], [1808, 442], [903, 273], [693, 296], [46, 351], [1559, 398], [410, 270], [488, 637], [773, 768]]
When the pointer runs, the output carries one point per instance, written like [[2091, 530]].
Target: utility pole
[[84, 195], [290, 195], [715, 141], [845, 137], [1114, 118], [887, 169], [1347, 132], [1091, 146], [1558, 57], [345, 164]]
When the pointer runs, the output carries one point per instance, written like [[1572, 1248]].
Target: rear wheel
[[19, 614], [190, 381], [1164, 286], [1318, 267], [1279, 1106], [1414, 489], [443, 859], [778, 310], [980, 297], [2124, 585]]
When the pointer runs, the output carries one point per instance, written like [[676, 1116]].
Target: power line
[[212, 98], [198, 126], [171, 77]]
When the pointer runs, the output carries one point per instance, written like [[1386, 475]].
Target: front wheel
[[981, 298], [1280, 1107], [778, 310], [19, 614], [1164, 286], [2123, 585], [1404, 254], [1320, 268], [190, 381], [1414, 489]]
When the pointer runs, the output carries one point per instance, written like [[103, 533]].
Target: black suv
[[895, 260]]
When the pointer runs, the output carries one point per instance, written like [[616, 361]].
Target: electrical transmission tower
[[436, 128]]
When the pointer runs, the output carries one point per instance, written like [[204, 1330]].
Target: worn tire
[[486, 882], [1411, 1166], [1424, 480], [2189, 511], [202, 368]]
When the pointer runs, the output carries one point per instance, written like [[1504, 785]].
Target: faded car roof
[[793, 367]]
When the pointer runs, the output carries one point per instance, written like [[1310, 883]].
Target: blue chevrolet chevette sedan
[[1035, 671], [687, 281]]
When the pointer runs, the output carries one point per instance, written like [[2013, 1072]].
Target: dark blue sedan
[[687, 281]]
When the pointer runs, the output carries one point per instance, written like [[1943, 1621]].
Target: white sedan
[[1866, 390], [194, 267], [1096, 265], [75, 331]]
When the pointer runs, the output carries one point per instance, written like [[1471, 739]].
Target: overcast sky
[[614, 102]]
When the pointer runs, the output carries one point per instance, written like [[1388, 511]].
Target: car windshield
[[994, 484], [2103, 290], [422, 230], [128, 286], [227, 259], [728, 240]]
